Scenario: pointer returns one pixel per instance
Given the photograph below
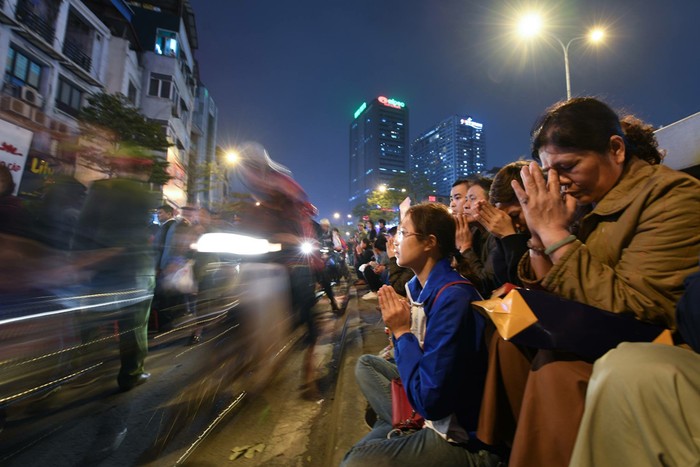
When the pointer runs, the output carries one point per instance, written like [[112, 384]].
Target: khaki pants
[[642, 409]]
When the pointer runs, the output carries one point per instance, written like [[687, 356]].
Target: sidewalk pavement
[[364, 334]]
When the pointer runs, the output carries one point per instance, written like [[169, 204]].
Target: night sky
[[290, 74]]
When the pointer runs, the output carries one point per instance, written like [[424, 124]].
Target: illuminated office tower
[[448, 151], [378, 146]]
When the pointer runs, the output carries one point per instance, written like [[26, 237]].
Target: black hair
[[587, 124], [167, 208], [501, 190], [461, 181], [483, 182], [435, 219]]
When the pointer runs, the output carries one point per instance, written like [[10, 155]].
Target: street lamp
[[336, 215], [232, 157], [531, 25], [382, 188]]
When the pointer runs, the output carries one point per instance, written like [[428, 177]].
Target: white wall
[[681, 140]]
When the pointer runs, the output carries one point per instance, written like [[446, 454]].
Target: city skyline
[[290, 76]]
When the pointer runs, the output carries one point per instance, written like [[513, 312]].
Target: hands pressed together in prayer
[[463, 235], [547, 212], [496, 221], [396, 311]]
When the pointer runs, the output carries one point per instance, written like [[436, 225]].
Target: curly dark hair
[[586, 123]]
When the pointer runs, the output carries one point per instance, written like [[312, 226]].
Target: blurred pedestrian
[[116, 214], [58, 211], [14, 217]]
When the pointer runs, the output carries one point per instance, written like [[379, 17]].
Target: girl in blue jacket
[[439, 351]]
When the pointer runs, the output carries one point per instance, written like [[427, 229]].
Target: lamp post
[[531, 25]]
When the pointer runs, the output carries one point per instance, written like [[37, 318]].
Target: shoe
[[359, 282], [133, 381], [370, 296]]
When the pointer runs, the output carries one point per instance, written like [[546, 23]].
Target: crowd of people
[[593, 217]]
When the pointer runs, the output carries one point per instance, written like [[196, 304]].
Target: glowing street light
[[530, 25], [336, 215], [232, 157], [596, 35], [382, 188]]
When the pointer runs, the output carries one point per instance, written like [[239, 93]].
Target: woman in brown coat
[[629, 254]]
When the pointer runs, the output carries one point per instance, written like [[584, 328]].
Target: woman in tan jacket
[[629, 253]]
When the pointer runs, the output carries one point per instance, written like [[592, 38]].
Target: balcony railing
[[34, 22], [76, 53]]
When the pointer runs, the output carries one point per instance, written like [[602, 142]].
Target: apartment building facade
[[59, 52]]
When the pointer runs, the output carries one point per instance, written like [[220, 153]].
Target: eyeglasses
[[402, 233]]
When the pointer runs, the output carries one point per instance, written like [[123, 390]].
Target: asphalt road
[[263, 413], [283, 425]]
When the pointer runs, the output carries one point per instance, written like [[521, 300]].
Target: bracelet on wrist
[[556, 245], [538, 250]]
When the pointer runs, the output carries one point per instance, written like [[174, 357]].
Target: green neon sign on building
[[360, 109]]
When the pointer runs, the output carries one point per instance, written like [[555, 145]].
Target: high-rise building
[[378, 146], [448, 151]]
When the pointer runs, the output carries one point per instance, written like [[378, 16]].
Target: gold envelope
[[510, 314]]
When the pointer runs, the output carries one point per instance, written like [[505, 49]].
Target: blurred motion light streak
[[77, 308], [234, 243]]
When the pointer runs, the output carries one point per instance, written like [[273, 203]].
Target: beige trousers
[[642, 409]]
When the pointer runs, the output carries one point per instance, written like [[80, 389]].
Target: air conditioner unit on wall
[[31, 96], [40, 117], [16, 106]]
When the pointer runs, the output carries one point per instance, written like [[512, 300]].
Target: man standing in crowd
[[115, 215], [164, 302], [382, 226]]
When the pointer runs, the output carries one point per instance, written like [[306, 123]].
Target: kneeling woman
[[440, 358]]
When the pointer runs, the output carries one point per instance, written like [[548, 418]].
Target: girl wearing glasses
[[439, 351]]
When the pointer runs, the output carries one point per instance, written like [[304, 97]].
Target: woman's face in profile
[[587, 176], [407, 244]]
